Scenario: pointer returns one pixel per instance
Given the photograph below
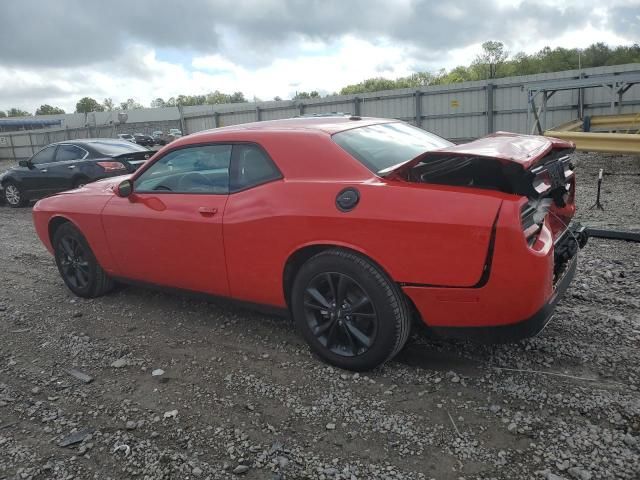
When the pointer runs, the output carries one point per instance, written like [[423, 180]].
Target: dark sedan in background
[[70, 164], [142, 139]]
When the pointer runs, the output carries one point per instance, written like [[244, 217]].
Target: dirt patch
[[241, 393]]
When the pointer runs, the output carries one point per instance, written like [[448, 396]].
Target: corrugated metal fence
[[459, 112]]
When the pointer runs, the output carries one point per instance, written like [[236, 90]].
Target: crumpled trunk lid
[[509, 148], [535, 167]]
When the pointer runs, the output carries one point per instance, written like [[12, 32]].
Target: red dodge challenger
[[356, 226]]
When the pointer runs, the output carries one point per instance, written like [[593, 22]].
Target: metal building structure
[[618, 84], [460, 112]]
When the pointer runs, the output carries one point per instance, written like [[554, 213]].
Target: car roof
[[327, 124], [89, 141]]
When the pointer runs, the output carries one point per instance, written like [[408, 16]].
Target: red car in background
[[356, 226]]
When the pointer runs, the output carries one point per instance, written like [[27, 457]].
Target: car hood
[[10, 169], [524, 150], [101, 187]]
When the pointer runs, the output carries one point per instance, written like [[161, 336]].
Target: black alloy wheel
[[349, 311], [74, 263], [340, 314], [77, 264]]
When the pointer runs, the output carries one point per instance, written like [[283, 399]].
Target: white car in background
[[127, 136]]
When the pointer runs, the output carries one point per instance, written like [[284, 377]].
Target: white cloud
[[272, 48]]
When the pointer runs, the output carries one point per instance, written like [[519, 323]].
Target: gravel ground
[[240, 395]]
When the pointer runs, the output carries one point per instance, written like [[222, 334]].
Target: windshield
[[115, 148], [386, 145]]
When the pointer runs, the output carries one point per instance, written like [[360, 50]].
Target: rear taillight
[[532, 216], [112, 166]]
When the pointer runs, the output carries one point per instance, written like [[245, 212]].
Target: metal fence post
[[356, 106], [182, 122], [216, 119], [31, 144], [301, 108], [490, 108], [13, 149], [417, 96], [258, 114]]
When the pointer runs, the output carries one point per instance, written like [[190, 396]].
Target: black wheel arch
[[9, 179], [79, 178], [55, 223], [300, 256]]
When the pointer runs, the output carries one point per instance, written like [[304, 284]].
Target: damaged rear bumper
[[515, 303], [529, 327]]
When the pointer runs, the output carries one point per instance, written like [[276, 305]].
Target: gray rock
[[121, 362], [75, 437], [83, 377], [241, 469], [553, 476], [580, 474]]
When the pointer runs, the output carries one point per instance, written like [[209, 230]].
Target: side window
[[201, 169], [251, 166], [69, 152], [44, 156]]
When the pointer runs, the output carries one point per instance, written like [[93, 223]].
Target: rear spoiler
[[133, 160]]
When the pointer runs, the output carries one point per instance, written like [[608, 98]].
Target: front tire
[[349, 311], [77, 264], [14, 196]]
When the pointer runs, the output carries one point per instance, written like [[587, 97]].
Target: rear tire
[[13, 195], [349, 311], [77, 264]]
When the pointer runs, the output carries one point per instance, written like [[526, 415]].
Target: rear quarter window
[[385, 145]]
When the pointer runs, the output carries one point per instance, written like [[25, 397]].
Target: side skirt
[[207, 297]]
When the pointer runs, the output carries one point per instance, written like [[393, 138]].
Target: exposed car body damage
[[462, 231]]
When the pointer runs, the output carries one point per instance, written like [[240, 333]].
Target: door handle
[[207, 211], [71, 166], [44, 170]]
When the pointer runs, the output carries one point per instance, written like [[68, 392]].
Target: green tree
[[158, 103], [2, 114], [130, 104], [306, 95], [16, 112], [47, 109], [87, 105], [216, 97], [277, 99], [491, 59], [108, 105], [237, 97]]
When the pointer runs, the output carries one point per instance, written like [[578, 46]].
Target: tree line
[[494, 61]]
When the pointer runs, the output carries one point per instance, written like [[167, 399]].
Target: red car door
[[169, 230]]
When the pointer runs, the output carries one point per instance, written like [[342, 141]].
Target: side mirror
[[125, 188], [24, 163]]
